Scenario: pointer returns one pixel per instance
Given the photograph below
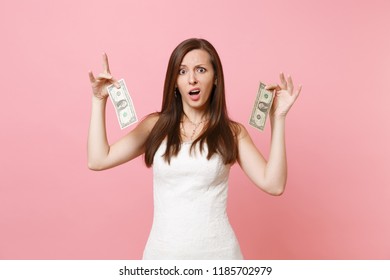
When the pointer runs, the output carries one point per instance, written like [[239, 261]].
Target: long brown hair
[[220, 132]]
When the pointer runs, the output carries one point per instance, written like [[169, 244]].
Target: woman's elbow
[[95, 166], [277, 191], [274, 189]]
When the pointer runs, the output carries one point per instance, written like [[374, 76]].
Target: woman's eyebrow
[[197, 65]]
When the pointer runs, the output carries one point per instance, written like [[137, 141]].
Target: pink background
[[336, 205]]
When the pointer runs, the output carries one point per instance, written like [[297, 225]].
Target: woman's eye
[[182, 71], [201, 70]]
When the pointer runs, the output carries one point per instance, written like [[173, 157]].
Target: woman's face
[[195, 80]]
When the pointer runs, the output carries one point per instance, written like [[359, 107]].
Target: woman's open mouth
[[194, 94]]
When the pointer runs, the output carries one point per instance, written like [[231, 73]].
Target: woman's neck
[[194, 116]]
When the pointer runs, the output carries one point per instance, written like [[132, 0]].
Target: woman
[[191, 145]]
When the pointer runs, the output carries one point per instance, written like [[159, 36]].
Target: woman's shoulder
[[149, 121], [152, 117], [238, 129]]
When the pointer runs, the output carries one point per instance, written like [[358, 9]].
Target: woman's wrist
[[278, 122], [99, 100], [277, 118]]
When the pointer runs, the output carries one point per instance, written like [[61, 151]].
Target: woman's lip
[[194, 89], [194, 97]]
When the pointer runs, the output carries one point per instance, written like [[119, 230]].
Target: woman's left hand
[[284, 96]]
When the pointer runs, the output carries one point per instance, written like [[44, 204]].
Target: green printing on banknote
[[261, 107], [123, 104]]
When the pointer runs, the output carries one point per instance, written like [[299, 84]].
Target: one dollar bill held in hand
[[261, 107], [123, 104]]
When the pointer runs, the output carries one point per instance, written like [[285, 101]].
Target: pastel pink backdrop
[[336, 205]]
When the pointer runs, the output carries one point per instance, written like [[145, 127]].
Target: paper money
[[261, 107], [123, 104]]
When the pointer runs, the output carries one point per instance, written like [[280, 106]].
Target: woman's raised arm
[[271, 175], [101, 155]]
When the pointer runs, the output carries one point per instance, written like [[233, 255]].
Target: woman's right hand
[[102, 81]]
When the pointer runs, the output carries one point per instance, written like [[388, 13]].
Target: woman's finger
[[104, 76], [108, 78], [91, 77], [290, 85], [106, 67], [283, 80], [298, 91], [272, 87], [115, 82]]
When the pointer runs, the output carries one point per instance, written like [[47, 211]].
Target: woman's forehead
[[196, 57]]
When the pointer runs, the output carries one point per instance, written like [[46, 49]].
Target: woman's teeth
[[194, 92]]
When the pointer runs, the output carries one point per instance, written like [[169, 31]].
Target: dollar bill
[[261, 107], [123, 104]]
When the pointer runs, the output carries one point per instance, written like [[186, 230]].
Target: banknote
[[123, 104], [261, 107]]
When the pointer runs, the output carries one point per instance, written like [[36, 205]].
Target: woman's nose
[[192, 79]]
